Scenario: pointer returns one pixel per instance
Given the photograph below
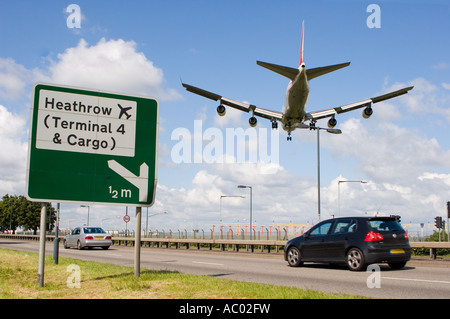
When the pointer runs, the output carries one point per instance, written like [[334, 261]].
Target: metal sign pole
[[56, 241], [137, 243], [448, 219], [42, 240]]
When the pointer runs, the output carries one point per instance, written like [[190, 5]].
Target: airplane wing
[[353, 106], [241, 106]]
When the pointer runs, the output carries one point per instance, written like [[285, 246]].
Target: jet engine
[[221, 110], [367, 112], [252, 121], [332, 122]]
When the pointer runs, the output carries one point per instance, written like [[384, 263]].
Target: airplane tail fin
[[291, 73], [316, 72], [301, 62], [286, 71]]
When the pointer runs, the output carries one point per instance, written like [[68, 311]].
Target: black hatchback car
[[354, 241]]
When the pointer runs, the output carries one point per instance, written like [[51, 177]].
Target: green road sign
[[90, 146]]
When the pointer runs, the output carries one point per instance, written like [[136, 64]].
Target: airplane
[[124, 110], [294, 114]]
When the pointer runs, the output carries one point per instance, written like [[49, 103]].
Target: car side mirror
[[306, 235]]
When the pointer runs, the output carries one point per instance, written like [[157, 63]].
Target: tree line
[[18, 211]]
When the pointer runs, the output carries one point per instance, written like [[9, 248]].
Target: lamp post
[[251, 197], [339, 192], [88, 213], [331, 131]]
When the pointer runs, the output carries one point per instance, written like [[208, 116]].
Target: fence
[[276, 234], [222, 244]]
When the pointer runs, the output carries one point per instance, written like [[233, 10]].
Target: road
[[428, 280]]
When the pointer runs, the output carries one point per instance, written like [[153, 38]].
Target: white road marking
[[418, 280], [205, 263]]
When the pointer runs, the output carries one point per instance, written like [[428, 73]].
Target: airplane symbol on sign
[[124, 110]]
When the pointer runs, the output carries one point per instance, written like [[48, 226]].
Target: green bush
[[434, 237]]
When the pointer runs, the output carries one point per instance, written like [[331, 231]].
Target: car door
[[313, 246], [73, 237], [339, 235]]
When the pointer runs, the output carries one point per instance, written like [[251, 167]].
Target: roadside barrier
[[217, 244], [205, 244]]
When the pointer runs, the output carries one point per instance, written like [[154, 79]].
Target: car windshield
[[93, 230], [384, 225]]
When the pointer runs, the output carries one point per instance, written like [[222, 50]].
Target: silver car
[[87, 236]]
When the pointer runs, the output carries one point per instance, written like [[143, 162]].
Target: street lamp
[[331, 131], [251, 197], [88, 213], [339, 192]]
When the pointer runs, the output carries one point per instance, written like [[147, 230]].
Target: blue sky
[[146, 47]]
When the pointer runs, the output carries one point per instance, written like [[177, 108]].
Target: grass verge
[[18, 279]]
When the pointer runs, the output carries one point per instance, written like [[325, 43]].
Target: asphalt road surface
[[423, 280]]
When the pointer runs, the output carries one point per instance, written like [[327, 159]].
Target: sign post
[[90, 146], [42, 240], [137, 243]]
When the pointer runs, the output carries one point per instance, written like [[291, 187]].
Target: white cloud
[[388, 152], [13, 79], [233, 118], [13, 152], [425, 99], [441, 66], [386, 111], [113, 65]]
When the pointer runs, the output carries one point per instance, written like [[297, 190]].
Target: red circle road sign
[[126, 218]]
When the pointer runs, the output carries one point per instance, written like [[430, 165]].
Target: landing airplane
[[124, 111], [294, 114]]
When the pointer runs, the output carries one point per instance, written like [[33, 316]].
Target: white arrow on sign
[[141, 181]]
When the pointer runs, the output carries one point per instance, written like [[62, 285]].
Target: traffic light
[[448, 209], [438, 222]]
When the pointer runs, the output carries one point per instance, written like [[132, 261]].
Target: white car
[[87, 236]]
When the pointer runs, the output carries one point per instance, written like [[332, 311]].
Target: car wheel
[[79, 245], [399, 265], [294, 257], [65, 244], [355, 260], [105, 247]]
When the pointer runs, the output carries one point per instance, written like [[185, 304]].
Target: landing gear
[[274, 125], [288, 129]]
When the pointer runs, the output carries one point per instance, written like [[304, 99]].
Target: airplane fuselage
[[297, 94]]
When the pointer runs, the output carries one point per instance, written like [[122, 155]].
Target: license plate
[[397, 251], [99, 237]]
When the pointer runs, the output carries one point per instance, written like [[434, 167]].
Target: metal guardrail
[[210, 244], [222, 244]]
